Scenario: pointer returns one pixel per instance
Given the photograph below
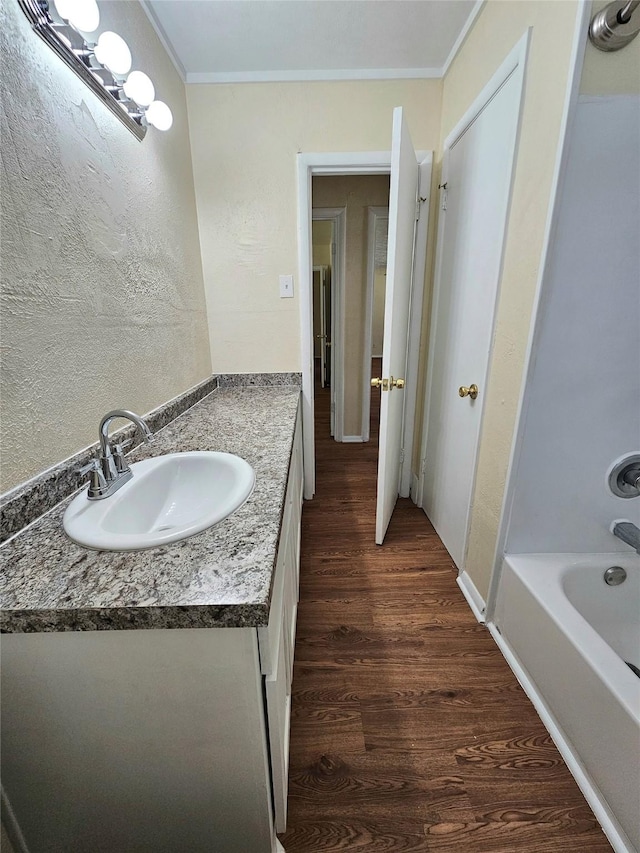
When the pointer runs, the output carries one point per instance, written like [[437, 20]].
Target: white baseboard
[[352, 439], [617, 838], [470, 591]]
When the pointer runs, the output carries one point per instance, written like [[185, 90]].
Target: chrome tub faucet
[[109, 470], [628, 532]]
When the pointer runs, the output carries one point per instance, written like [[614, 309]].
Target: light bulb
[[113, 52], [159, 115], [139, 88], [81, 14], [63, 8]]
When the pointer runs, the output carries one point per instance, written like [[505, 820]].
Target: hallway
[[409, 732]]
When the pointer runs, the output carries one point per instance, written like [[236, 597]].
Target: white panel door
[[477, 171], [402, 220]]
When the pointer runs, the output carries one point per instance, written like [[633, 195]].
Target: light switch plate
[[286, 286]]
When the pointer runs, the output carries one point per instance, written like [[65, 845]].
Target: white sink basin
[[168, 498]]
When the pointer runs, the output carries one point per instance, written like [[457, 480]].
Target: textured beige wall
[[615, 73], [497, 29], [244, 140], [103, 303], [356, 193]]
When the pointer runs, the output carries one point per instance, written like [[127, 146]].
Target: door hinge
[[423, 466], [333, 248], [443, 196], [401, 455]]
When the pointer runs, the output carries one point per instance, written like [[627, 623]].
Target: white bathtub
[[567, 635]]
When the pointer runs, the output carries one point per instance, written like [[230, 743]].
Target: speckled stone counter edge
[[134, 618], [28, 501], [254, 380]]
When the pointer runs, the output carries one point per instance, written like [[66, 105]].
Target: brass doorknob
[[380, 383], [471, 391], [396, 383]]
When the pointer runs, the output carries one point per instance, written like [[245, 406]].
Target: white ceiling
[[241, 40]]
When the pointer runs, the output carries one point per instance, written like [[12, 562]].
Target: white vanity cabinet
[[153, 741], [277, 640]]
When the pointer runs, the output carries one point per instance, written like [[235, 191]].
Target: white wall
[[583, 408], [245, 138], [103, 302]]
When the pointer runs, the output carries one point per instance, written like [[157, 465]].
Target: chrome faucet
[[108, 470], [628, 532]]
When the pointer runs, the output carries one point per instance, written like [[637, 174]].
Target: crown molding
[[165, 41], [464, 32], [196, 77]]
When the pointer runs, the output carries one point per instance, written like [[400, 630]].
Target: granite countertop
[[219, 578]]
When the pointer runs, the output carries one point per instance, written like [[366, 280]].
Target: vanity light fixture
[[159, 115], [113, 52], [139, 88], [102, 63], [83, 15]]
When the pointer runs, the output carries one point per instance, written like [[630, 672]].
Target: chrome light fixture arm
[[61, 39]]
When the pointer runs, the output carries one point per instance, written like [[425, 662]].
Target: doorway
[[342, 302], [354, 163], [328, 242]]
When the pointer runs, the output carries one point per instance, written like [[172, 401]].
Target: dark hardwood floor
[[409, 732]]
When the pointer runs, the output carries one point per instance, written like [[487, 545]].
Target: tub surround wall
[[220, 577], [583, 391], [103, 301]]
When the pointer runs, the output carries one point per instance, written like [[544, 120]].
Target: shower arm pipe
[[624, 15], [612, 28]]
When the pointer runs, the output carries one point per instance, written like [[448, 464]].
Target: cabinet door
[[277, 640]]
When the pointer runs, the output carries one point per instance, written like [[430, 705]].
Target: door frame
[[513, 66], [373, 214], [341, 163], [322, 270], [338, 216]]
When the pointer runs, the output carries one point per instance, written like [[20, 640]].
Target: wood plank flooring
[[409, 732]]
